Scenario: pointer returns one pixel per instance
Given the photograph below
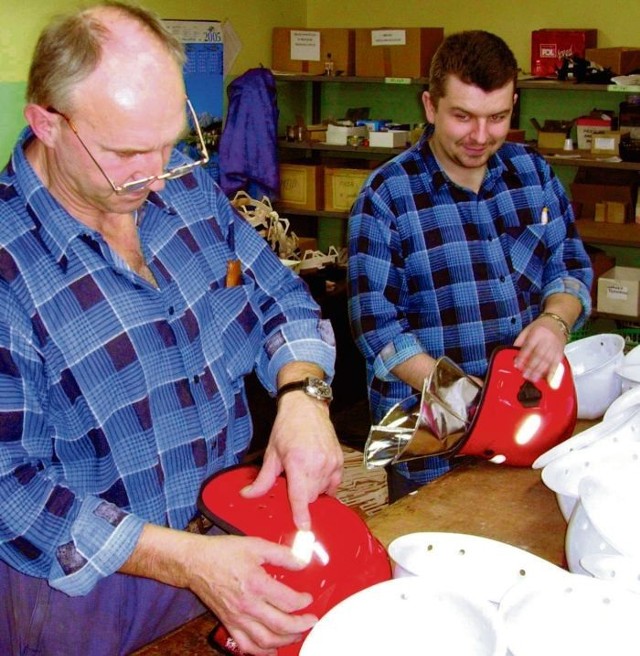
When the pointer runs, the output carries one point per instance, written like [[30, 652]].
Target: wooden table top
[[503, 503], [509, 504]]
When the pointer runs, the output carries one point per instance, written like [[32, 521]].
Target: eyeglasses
[[143, 183]]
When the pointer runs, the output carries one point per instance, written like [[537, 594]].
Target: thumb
[[264, 481]]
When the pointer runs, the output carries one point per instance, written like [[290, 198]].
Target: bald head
[[72, 47]]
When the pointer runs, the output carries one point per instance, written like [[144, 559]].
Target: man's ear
[[429, 108], [45, 125]]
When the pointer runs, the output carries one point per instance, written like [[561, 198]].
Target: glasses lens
[[179, 171], [135, 185]]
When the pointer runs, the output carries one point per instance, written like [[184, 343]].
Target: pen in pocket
[[233, 273], [544, 216]]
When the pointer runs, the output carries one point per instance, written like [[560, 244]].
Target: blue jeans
[[121, 614]]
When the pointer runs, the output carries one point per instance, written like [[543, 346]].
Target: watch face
[[319, 389]]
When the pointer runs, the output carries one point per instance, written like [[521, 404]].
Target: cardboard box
[[619, 291], [301, 186], [586, 195], [550, 46], [396, 52], [341, 187], [389, 139], [315, 133], [593, 186], [587, 126], [610, 212], [338, 135], [305, 49], [621, 61], [607, 143], [553, 140], [601, 262]]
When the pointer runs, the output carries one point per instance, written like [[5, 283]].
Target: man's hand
[[227, 575], [304, 445], [541, 349]]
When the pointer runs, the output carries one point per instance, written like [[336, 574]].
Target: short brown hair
[[70, 48], [474, 57]]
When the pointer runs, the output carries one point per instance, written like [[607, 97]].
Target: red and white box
[[549, 47]]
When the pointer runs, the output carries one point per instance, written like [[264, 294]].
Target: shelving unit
[[625, 235]]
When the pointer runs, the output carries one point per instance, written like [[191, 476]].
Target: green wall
[[618, 24], [253, 20], [21, 22]]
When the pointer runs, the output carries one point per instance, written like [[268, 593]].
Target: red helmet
[[508, 420], [344, 556], [517, 420]]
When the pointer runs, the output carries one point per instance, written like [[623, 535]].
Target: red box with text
[[550, 46]]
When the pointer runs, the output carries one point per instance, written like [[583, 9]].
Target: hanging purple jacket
[[249, 140]]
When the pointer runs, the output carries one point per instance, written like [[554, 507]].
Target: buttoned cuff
[[575, 288], [401, 349]]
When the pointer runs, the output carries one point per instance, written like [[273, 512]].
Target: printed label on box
[[617, 292], [305, 46], [342, 188], [388, 37], [293, 187], [549, 50]]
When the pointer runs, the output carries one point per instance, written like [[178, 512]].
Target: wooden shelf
[[584, 158], [524, 83], [609, 234], [349, 79], [296, 212], [351, 150]]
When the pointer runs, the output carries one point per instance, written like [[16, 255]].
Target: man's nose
[[480, 130]]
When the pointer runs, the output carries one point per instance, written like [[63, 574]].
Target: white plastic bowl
[[612, 503], [625, 403], [471, 563], [583, 539], [391, 618], [593, 362], [629, 376], [633, 356], [578, 615], [604, 458], [621, 570]]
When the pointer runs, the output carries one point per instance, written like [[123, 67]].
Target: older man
[[133, 301]]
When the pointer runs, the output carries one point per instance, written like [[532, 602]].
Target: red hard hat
[[517, 420], [344, 556]]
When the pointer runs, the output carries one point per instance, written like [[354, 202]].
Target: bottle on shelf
[[328, 66]]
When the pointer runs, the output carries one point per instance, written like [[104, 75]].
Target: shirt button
[[513, 319], [196, 379], [171, 310], [501, 278]]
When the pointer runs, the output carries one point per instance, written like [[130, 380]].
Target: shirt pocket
[[526, 248], [236, 327]]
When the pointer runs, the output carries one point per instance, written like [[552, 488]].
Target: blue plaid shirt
[[439, 269], [117, 399]]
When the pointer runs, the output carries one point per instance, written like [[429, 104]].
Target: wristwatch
[[312, 386]]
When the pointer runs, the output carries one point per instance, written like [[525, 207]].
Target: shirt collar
[[56, 227]]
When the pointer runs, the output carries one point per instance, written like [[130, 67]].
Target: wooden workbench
[[503, 503]]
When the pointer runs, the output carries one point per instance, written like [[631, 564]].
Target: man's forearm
[[566, 306], [414, 370], [161, 554]]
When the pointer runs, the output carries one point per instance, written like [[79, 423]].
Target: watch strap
[[304, 385]]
